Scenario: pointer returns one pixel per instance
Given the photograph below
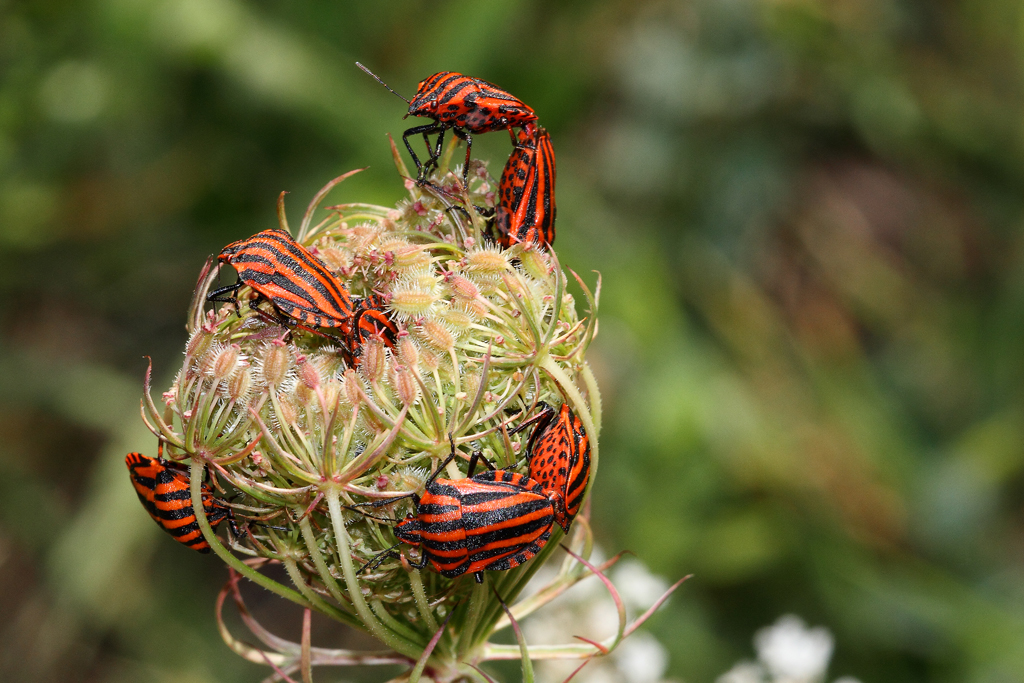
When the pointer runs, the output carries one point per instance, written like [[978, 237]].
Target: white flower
[[641, 658], [638, 587], [744, 672], [793, 652]]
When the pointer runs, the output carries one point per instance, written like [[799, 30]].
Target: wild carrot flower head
[[295, 428]]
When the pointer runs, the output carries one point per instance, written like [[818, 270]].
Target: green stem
[[196, 471], [370, 622]]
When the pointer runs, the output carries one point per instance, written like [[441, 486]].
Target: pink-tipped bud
[[536, 263], [308, 374], [198, 344], [408, 352], [462, 287], [436, 335], [429, 361], [275, 364], [351, 385], [374, 361], [404, 382], [240, 384], [487, 261]]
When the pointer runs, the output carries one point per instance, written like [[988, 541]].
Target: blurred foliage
[[807, 215]]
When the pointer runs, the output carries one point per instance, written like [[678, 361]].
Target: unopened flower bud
[[408, 352], [459, 318], [332, 393], [338, 260], [198, 344], [308, 374], [513, 285], [436, 335], [462, 287], [289, 412], [374, 360], [429, 361], [535, 262], [410, 303], [240, 383], [275, 364], [404, 382], [350, 384], [224, 362], [487, 261]]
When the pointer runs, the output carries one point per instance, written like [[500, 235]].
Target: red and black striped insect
[[163, 489], [559, 451], [495, 520], [371, 318], [463, 104], [526, 193], [282, 271]]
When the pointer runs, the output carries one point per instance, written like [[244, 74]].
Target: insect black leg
[[542, 419], [380, 557], [479, 576], [425, 130], [444, 464], [435, 154], [215, 295], [477, 457], [464, 135]]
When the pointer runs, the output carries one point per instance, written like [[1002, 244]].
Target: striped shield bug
[[282, 271], [463, 104], [559, 452], [494, 521], [163, 489], [526, 193], [371, 318]]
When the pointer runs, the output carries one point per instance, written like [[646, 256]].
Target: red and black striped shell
[[475, 105], [560, 462], [297, 283], [496, 520], [163, 489], [526, 192]]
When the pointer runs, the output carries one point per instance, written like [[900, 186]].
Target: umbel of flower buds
[[310, 432]]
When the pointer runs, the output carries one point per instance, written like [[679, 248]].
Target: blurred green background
[[807, 214]]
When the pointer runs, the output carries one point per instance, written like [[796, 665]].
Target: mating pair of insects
[[494, 521], [466, 106], [498, 519]]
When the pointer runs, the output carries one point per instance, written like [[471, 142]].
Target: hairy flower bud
[[351, 386], [487, 261], [240, 384], [462, 287], [224, 362], [275, 364], [535, 262], [404, 382], [408, 352], [374, 360], [308, 374], [436, 335], [198, 344]]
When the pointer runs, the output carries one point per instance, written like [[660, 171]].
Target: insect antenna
[[377, 78]]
